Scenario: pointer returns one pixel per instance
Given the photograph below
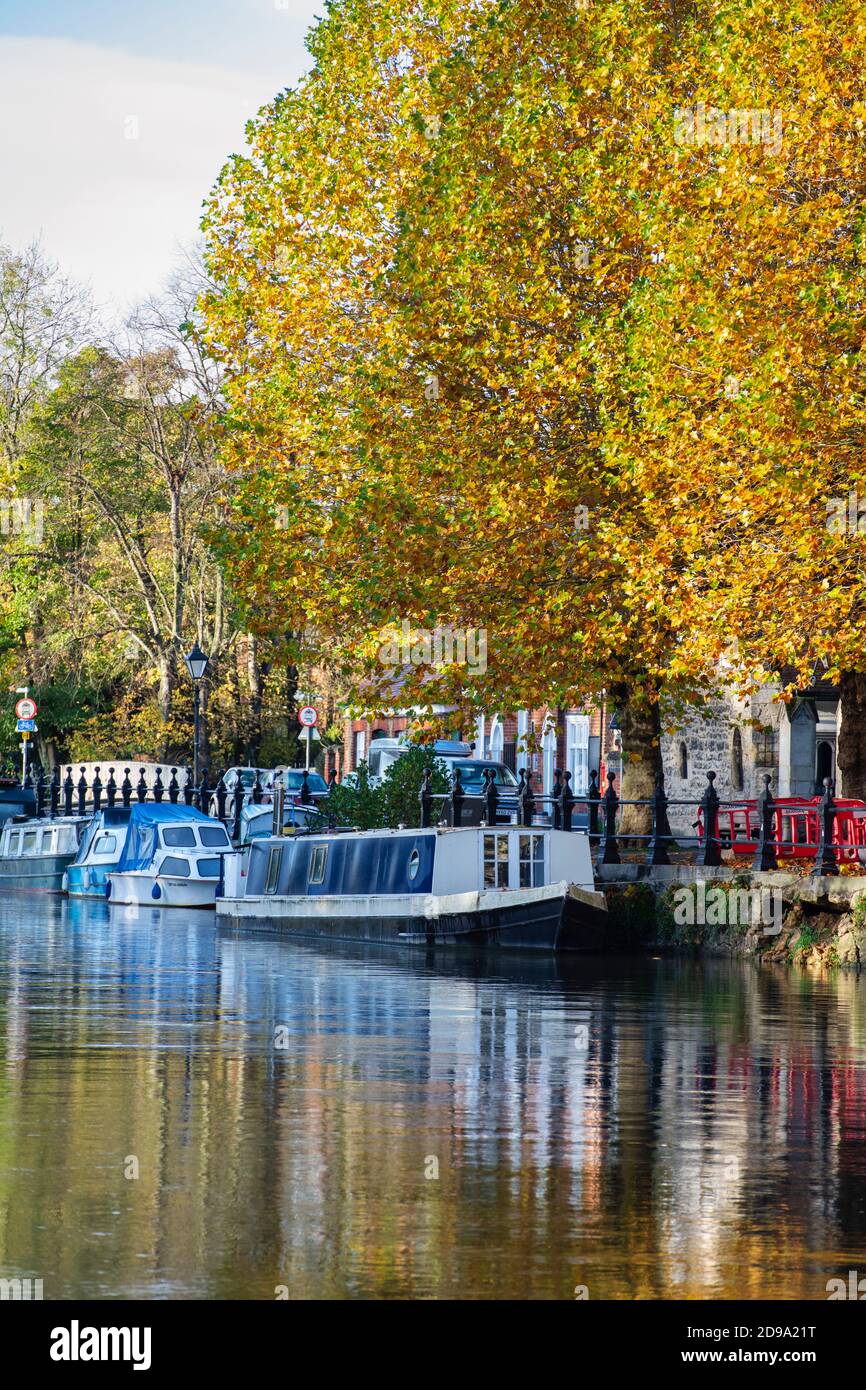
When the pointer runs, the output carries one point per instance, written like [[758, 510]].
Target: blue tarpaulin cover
[[142, 840]]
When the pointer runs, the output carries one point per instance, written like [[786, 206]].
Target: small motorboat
[[172, 857], [529, 888], [98, 854], [34, 853]]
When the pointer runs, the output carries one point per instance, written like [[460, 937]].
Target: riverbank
[[779, 917]]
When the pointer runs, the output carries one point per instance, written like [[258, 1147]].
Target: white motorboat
[[172, 858]]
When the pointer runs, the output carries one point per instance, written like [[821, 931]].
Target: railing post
[[40, 795], [238, 803], [826, 860], [567, 799], [765, 853], [203, 793], [593, 798], [126, 788], [68, 792], [526, 800], [97, 791], [457, 798], [256, 797], [608, 852], [188, 789], [173, 788], [221, 795], [556, 809], [141, 789], [491, 797], [111, 789], [305, 796], [710, 855], [657, 849], [158, 788], [425, 796], [55, 791], [82, 793], [332, 782]]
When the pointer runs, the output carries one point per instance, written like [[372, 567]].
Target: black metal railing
[[841, 832]]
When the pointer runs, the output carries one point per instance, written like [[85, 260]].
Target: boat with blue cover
[[529, 888], [171, 858], [98, 854]]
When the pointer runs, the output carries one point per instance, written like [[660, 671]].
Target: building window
[[317, 864], [360, 746], [495, 861], [765, 748], [684, 762], [577, 751]]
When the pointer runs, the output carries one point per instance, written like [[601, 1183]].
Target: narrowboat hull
[[559, 917], [39, 873]]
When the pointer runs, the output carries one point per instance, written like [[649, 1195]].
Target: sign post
[[308, 716], [25, 713]]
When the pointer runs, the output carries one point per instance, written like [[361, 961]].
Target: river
[[189, 1114]]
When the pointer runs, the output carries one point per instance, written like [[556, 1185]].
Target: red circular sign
[[26, 709], [308, 716]]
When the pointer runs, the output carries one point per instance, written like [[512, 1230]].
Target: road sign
[[26, 709], [26, 726], [308, 716]]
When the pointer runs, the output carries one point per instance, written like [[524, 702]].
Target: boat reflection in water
[[350, 1121]]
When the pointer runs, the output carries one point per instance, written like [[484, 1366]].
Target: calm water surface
[[356, 1122]]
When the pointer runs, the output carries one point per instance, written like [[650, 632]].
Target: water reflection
[[358, 1122]]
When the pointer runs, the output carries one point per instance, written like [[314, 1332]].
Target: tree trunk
[[640, 730], [851, 752]]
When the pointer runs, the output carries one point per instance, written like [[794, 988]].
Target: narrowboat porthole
[[317, 864], [275, 859], [414, 864]]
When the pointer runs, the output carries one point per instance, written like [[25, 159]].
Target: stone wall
[[736, 739]]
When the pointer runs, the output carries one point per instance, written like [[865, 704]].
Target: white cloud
[[109, 156]]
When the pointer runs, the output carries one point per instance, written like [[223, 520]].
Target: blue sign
[[26, 726]]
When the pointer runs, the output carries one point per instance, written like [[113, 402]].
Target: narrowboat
[[98, 854], [34, 854], [171, 858], [508, 887]]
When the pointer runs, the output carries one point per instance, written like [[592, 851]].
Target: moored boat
[[35, 853], [171, 858], [98, 854], [529, 888]]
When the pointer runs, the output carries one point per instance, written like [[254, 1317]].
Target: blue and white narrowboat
[[98, 854], [171, 858], [34, 854], [529, 888]]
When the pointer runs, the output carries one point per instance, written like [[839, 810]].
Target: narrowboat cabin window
[[275, 859], [317, 864], [15, 843], [214, 837], [178, 837], [30, 842], [495, 861], [178, 868], [208, 868], [414, 863], [531, 858]]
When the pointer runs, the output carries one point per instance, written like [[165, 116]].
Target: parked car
[[293, 781], [384, 752]]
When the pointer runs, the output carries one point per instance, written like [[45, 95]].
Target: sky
[[116, 117]]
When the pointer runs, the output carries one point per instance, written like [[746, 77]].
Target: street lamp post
[[196, 664]]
